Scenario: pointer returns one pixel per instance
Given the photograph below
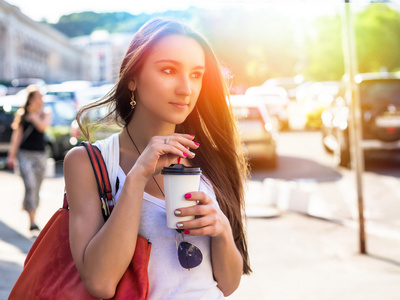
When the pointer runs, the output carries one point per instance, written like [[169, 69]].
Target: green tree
[[85, 23], [378, 38], [377, 33]]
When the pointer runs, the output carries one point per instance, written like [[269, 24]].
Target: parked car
[[275, 99], [318, 97], [380, 117], [288, 83], [57, 135], [7, 112], [257, 130], [76, 92]]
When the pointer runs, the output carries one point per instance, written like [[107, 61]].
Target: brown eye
[[197, 75], [169, 71]]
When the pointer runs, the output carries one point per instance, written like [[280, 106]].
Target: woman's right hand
[[162, 151]]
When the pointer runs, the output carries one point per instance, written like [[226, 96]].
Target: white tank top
[[168, 280]]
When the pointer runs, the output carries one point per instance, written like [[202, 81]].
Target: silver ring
[[166, 141]]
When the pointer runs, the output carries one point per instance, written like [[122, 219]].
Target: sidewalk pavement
[[293, 256]]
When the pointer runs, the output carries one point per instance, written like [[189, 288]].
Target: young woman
[[28, 146], [172, 103]]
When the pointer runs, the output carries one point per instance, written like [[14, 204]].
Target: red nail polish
[[186, 231], [187, 196], [197, 144]]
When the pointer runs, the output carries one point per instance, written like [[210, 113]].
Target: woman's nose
[[184, 86]]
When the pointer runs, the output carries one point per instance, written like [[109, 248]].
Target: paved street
[[303, 239]]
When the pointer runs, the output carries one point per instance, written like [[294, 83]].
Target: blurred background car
[[316, 98], [72, 91], [57, 135], [275, 99], [257, 130], [79, 92], [288, 83], [7, 112], [380, 117]]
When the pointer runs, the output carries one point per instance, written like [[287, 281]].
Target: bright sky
[[52, 10]]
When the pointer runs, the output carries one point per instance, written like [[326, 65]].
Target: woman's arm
[[101, 251], [16, 137], [226, 259]]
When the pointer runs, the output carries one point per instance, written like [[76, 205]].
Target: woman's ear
[[132, 85]]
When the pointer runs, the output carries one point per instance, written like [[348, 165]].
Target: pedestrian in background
[[28, 147], [171, 100]]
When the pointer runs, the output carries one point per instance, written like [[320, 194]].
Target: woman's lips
[[179, 105]]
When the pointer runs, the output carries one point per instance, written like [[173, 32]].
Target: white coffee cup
[[178, 181]]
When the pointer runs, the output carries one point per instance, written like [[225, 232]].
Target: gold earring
[[133, 102]]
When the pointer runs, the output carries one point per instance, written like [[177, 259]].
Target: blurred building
[[106, 53], [32, 49]]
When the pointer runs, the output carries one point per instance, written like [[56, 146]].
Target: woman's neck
[[142, 131]]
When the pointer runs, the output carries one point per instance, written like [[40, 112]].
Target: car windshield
[[382, 91]]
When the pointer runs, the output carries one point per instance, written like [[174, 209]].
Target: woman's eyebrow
[[176, 63]]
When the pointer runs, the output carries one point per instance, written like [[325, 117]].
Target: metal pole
[[355, 126]]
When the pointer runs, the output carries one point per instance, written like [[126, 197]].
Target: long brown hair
[[212, 122], [20, 116]]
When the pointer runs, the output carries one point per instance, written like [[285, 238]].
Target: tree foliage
[[378, 38], [85, 23], [377, 34]]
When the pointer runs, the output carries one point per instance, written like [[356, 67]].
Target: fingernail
[[186, 231], [187, 196], [194, 154], [184, 154], [191, 135], [178, 212], [179, 225], [196, 143]]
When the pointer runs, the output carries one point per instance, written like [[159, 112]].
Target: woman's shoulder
[[76, 155]]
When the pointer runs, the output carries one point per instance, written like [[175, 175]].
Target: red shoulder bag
[[49, 271]]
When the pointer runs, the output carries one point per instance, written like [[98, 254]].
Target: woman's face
[[170, 80], [36, 102]]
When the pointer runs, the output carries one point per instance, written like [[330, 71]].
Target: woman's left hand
[[227, 262], [210, 220]]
